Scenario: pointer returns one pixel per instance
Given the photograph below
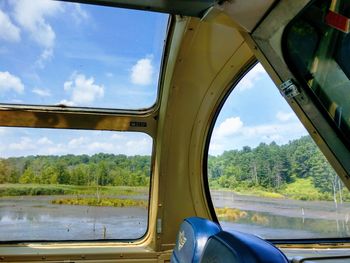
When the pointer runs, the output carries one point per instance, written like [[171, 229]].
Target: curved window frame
[[213, 120], [304, 242]]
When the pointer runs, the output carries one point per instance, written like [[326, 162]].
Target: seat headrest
[[237, 247], [191, 239]]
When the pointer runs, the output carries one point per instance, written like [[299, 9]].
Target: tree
[[4, 170], [27, 177]]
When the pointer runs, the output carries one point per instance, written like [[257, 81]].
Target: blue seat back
[[191, 239], [237, 247]]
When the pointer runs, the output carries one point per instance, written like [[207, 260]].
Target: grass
[[259, 219], [41, 189], [253, 192], [261, 193], [231, 214], [303, 189], [90, 201], [234, 214]]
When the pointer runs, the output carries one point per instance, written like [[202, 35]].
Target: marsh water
[[35, 218], [273, 218]]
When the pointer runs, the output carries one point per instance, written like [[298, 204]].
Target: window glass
[[317, 43], [73, 185], [266, 175], [60, 53]]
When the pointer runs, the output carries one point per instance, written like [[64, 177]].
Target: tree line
[[275, 168], [99, 169], [293, 167]]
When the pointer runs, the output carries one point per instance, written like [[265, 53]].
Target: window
[[73, 185], [317, 44], [70, 54], [79, 173], [266, 175]]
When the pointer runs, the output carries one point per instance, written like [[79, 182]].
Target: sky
[[254, 112], [79, 55], [83, 55]]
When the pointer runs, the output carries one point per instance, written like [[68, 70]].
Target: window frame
[[144, 120], [108, 110], [266, 43], [293, 68], [212, 121], [124, 241], [287, 243]]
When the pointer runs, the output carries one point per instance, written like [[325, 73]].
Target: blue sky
[[254, 112], [82, 55]]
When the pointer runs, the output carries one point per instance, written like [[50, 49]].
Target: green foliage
[[296, 170], [302, 189], [39, 189], [99, 169], [30, 189], [8, 173]]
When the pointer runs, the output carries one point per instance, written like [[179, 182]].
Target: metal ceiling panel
[[195, 8]]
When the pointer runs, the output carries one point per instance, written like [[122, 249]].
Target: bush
[[230, 214], [303, 189], [90, 201]]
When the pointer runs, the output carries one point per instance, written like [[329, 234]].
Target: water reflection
[[37, 219], [320, 227], [281, 218]]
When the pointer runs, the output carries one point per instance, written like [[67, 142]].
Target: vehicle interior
[[154, 146]]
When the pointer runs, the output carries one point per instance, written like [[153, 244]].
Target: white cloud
[[55, 149], [42, 92], [117, 136], [100, 147], [78, 13], [3, 131], [285, 116], [140, 147], [8, 31], [272, 130], [251, 78], [10, 82], [45, 55], [66, 103], [240, 135], [83, 90], [31, 15], [229, 126], [142, 72], [77, 142], [44, 141], [24, 144]]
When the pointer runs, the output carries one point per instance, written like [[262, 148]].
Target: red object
[[338, 21]]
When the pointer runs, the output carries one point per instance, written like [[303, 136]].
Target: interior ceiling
[[246, 14], [195, 8]]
